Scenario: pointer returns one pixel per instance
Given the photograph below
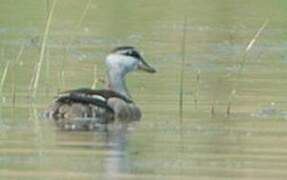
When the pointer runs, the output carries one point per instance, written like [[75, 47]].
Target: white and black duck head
[[86, 109], [120, 62]]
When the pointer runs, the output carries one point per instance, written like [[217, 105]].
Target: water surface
[[208, 143]]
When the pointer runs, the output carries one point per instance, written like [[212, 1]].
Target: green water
[[249, 143]]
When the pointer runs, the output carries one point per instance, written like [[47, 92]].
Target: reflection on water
[[65, 153], [250, 143], [120, 163]]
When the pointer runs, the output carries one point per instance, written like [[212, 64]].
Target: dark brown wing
[[105, 93], [84, 100]]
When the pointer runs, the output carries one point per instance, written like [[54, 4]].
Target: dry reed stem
[[61, 72], [18, 57], [252, 42], [181, 88], [94, 85], [84, 13], [247, 49], [14, 95], [33, 78], [48, 7], [47, 71], [196, 93], [212, 110], [4, 75], [20, 53], [43, 48], [62, 77]]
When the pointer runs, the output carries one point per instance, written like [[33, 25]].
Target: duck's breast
[[124, 111]]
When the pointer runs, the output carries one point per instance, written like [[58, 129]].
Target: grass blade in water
[[43, 48], [181, 88]]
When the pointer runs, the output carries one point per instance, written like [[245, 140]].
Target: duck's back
[[86, 109]]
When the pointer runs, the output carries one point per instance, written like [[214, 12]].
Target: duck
[[88, 109]]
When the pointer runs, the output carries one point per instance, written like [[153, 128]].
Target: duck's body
[[85, 109]]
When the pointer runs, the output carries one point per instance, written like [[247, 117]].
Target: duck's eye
[[128, 53]]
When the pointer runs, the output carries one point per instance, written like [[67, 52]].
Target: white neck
[[118, 66], [117, 83]]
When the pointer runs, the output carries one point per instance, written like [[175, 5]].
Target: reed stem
[[18, 57], [252, 42], [95, 77], [181, 82], [4, 76], [62, 72], [243, 62], [84, 13], [43, 48], [47, 71], [196, 93], [48, 7]]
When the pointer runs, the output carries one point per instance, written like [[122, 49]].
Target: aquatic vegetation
[[242, 64], [43, 48], [4, 76], [181, 81]]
